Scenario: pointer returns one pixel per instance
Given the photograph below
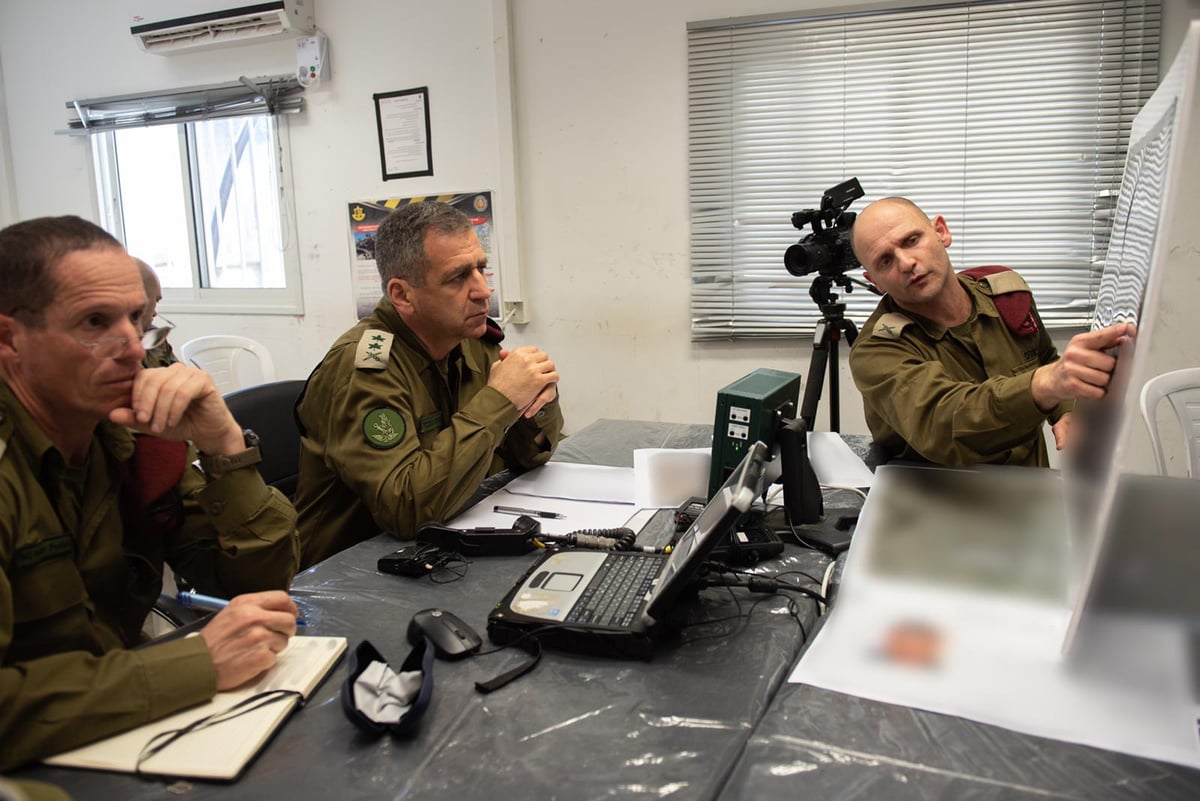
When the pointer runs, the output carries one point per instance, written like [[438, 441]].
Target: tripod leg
[[816, 375]]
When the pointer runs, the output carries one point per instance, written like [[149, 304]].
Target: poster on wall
[[365, 217]]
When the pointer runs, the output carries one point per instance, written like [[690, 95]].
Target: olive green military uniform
[[957, 396], [393, 438], [160, 356], [75, 584]]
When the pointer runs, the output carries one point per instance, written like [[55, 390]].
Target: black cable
[[246, 706], [448, 568]]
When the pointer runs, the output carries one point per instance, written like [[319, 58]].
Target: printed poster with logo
[[365, 217]]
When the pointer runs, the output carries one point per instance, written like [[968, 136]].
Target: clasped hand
[[527, 377]]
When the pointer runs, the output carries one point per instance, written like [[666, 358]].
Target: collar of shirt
[[16, 424]]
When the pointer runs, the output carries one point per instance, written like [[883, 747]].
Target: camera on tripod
[[827, 249]]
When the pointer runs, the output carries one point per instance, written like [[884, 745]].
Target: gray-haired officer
[[413, 407], [98, 491]]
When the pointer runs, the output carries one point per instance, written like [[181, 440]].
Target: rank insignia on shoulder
[[890, 325], [383, 428], [373, 349]]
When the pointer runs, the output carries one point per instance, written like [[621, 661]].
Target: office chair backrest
[[234, 362], [267, 409], [1182, 389]]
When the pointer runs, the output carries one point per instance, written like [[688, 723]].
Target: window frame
[[199, 298]]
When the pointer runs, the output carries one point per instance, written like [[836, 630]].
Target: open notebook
[[221, 750]]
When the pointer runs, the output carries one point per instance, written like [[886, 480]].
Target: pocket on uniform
[[46, 589], [1026, 366]]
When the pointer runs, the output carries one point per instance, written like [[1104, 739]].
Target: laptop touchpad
[[562, 582]]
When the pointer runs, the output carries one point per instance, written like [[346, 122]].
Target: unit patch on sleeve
[[383, 428], [373, 350]]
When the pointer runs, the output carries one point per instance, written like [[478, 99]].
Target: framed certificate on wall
[[405, 149]]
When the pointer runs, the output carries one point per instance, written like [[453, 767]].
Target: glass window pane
[[153, 207], [239, 209]]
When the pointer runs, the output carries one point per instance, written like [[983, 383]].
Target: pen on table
[[190, 599], [516, 510]]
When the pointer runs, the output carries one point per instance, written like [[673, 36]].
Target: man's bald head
[[867, 217], [153, 288]]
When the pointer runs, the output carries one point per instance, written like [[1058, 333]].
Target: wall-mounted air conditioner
[[194, 24]]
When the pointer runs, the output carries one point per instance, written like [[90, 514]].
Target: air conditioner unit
[[195, 24]]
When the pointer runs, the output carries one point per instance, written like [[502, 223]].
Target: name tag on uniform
[[430, 422], [373, 350], [43, 551]]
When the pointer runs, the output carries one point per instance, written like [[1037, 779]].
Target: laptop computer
[[615, 603]]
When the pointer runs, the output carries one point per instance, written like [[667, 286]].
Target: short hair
[[400, 240], [28, 251], [894, 200]]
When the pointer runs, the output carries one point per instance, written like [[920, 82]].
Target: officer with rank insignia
[[98, 491], [957, 369], [416, 404]]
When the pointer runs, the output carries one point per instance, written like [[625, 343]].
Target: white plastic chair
[[234, 362], [1182, 389]]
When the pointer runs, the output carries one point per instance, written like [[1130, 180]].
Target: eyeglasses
[[112, 347]]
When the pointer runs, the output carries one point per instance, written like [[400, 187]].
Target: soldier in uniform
[[957, 369], [160, 355], [415, 405], [97, 491]]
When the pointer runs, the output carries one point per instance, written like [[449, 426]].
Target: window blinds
[[1008, 118]]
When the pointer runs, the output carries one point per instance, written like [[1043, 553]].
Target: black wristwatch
[[217, 465]]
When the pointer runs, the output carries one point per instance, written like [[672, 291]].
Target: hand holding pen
[[246, 636]]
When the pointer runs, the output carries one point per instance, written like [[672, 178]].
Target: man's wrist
[[216, 465], [1039, 391]]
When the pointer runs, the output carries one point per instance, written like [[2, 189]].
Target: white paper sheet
[[577, 515], [580, 482], [995, 655], [835, 464]]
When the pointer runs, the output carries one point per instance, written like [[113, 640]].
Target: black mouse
[[451, 638]]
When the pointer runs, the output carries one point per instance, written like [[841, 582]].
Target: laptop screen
[[728, 503]]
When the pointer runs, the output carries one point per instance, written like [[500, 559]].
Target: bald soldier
[[957, 369], [413, 407], [98, 490], [160, 355]]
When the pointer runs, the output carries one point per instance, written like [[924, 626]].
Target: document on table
[[224, 748], [579, 482], [575, 515], [902, 632]]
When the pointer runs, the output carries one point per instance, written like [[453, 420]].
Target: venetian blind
[[1008, 118]]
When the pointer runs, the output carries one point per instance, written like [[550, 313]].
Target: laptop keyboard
[[615, 593]]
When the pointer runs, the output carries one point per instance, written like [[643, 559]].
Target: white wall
[[599, 110]]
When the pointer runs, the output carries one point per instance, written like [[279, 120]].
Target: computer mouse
[[451, 638]]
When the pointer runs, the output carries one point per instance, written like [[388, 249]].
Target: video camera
[[827, 249]]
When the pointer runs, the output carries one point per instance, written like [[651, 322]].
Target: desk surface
[[575, 727], [705, 718]]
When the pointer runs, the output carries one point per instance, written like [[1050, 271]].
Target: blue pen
[[191, 599]]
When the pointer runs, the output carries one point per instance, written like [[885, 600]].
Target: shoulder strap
[[890, 325], [1011, 295]]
